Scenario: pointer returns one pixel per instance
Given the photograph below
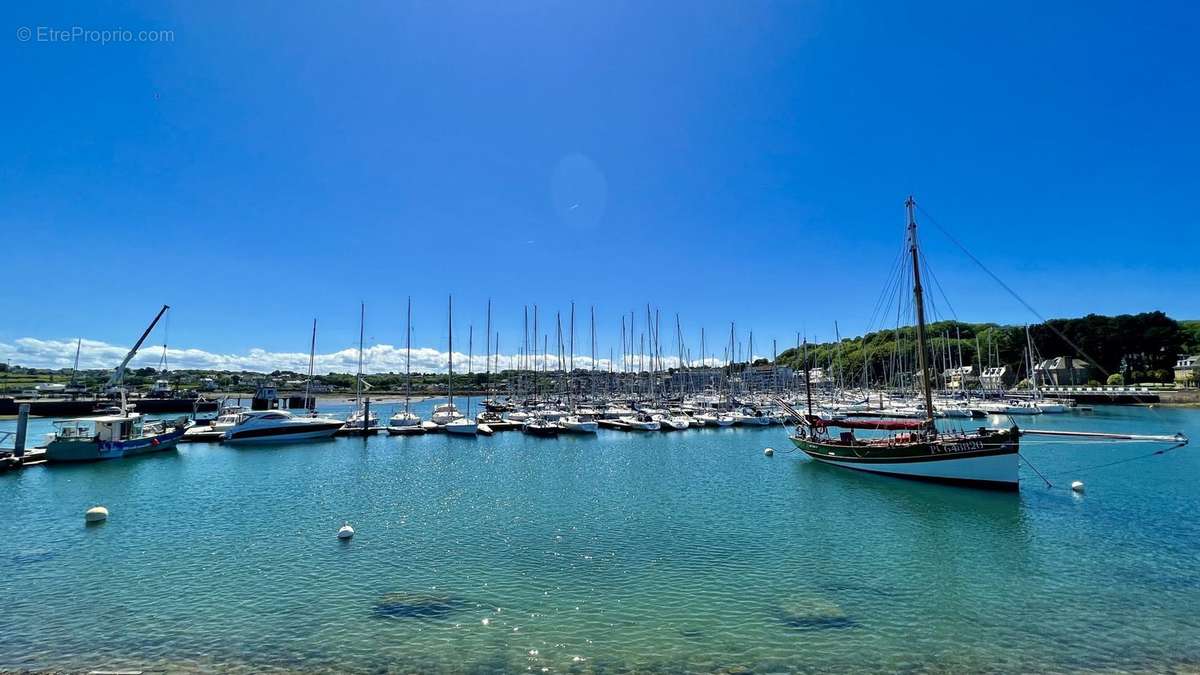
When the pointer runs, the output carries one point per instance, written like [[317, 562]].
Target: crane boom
[[119, 374]]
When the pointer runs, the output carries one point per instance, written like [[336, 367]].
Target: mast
[[807, 383], [362, 317], [312, 355], [919, 300], [450, 355], [408, 356], [470, 360], [487, 382]]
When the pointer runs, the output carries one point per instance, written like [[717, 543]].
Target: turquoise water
[[674, 552]]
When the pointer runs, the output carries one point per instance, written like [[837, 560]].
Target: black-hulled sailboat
[[916, 449]]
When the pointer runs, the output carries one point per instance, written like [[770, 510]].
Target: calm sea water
[[673, 552]]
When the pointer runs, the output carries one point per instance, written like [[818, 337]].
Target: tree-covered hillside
[[1142, 347]]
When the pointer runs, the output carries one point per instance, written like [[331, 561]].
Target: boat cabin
[[105, 428]]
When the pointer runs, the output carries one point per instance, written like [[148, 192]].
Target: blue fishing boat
[[89, 439]]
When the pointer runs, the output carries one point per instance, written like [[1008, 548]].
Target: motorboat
[[540, 426], [641, 421], [224, 421], [579, 424], [671, 422], [751, 417], [87, 439], [278, 426]]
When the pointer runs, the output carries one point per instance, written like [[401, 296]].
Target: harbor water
[[674, 552]]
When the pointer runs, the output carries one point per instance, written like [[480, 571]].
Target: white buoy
[[1077, 486], [345, 531], [96, 514], [769, 452]]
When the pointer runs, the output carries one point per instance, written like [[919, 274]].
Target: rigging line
[[1035, 470], [938, 285], [1129, 459], [1014, 294], [887, 292]]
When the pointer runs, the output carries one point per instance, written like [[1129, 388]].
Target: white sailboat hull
[[991, 469], [464, 428]]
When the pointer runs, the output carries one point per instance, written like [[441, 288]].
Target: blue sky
[[739, 161]]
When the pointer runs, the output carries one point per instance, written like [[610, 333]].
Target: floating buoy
[[769, 452], [96, 514], [345, 531], [1077, 486]]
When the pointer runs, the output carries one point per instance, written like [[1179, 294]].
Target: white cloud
[[381, 358]]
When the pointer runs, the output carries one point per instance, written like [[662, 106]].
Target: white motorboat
[[1010, 408], [224, 421], [671, 422], [520, 416], [641, 422], [752, 418], [579, 424], [277, 426]]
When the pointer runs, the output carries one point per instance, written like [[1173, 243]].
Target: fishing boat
[[278, 426], [915, 449], [89, 439]]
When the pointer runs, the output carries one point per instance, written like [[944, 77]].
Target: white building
[[1187, 371]]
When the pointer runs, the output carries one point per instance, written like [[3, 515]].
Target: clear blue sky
[[739, 161]]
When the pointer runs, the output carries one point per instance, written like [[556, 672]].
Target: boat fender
[[345, 531], [96, 514], [769, 452]]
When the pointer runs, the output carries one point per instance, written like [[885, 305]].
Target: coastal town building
[[997, 377], [960, 378], [1062, 371], [1187, 371]]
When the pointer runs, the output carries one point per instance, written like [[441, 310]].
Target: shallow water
[[680, 552]]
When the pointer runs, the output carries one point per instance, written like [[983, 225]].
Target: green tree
[[1116, 380]]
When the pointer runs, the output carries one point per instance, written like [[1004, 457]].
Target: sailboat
[[575, 422], [363, 421], [984, 458], [446, 414], [406, 421], [491, 411]]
